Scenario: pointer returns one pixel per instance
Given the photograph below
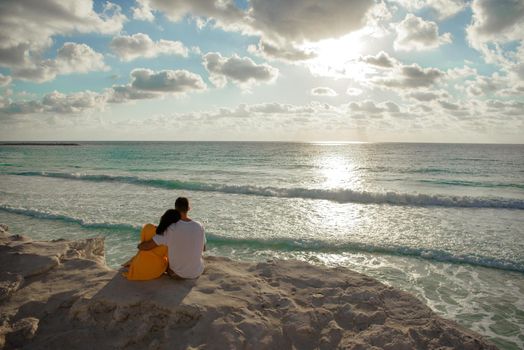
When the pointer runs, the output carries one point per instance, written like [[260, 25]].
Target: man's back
[[185, 242]]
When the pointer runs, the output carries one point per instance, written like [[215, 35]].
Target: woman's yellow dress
[[148, 264]]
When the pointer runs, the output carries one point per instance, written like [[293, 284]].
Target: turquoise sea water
[[444, 221]]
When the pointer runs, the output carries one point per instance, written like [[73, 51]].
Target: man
[[185, 241]]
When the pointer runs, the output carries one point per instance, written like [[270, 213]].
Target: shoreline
[[234, 304]]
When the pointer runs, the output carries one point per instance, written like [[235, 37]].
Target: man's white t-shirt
[[185, 241]]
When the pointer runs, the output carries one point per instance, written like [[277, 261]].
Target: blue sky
[[296, 70]]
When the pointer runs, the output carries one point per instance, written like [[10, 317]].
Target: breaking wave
[[337, 195]]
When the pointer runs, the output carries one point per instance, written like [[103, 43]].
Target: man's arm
[[147, 245]]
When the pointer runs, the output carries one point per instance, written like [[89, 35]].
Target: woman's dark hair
[[170, 217]]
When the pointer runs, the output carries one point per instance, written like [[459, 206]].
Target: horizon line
[[320, 142]]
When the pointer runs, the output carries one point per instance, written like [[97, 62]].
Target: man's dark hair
[[182, 204]]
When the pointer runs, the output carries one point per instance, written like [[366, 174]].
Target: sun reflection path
[[338, 172]]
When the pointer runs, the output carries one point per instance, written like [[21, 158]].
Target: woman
[[150, 264]]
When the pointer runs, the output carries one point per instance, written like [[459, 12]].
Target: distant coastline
[[38, 144]]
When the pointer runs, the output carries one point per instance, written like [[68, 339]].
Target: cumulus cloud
[[174, 81], [414, 33], [72, 103], [369, 108], [148, 84], [461, 109], [130, 47], [510, 108], [409, 77], [323, 91], [461, 73], [286, 53], [514, 91], [392, 107], [27, 28], [282, 25], [124, 93], [484, 85], [78, 58], [144, 84], [308, 20], [70, 58], [426, 95], [292, 20], [142, 11], [20, 107], [449, 105], [56, 102], [279, 108], [443, 8], [351, 91], [4, 80], [382, 60], [224, 12], [495, 23], [243, 71]]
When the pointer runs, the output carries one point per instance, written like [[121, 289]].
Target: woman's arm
[[147, 245]]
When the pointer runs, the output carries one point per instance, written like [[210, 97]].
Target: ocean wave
[[337, 195], [292, 245], [466, 183], [355, 247], [38, 214], [438, 171]]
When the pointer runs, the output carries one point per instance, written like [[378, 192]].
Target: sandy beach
[[61, 294]]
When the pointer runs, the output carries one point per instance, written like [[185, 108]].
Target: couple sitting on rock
[[174, 246]]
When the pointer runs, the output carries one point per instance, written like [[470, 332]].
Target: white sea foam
[[337, 195]]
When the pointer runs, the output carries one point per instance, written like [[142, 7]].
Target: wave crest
[[337, 195]]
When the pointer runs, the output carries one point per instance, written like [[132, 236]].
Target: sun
[[338, 58]]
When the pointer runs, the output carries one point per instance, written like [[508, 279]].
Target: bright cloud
[[414, 33], [443, 8], [495, 23], [130, 47], [241, 70], [28, 26], [142, 11], [70, 58], [56, 102], [382, 60], [427, 95], [323, 91], [308, 20], [496, 20], [409, 77], [175, 81], [351, 91]]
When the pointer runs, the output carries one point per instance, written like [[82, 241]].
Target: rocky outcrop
[[60, 294]]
